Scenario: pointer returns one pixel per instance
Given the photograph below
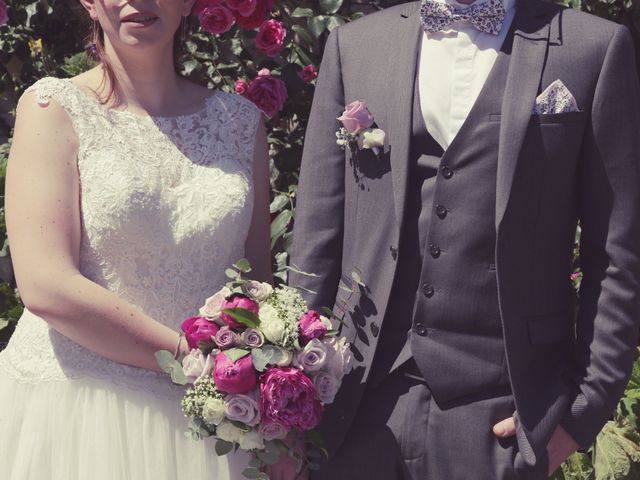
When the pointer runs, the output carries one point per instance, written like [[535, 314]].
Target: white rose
[[340, 359], [312, 357], [213, 411], [242, 408], [327, 386], [251, 440], [228, 432], [271, 324], [326, 322], [273, 431], [371, 138], [213, 305], [193, 364], [259, 291]]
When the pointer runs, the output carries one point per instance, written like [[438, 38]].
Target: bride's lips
[[140, 19]]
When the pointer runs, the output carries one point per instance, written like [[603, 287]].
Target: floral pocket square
[[555, 99]]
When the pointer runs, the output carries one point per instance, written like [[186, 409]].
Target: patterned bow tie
[[486, 17]]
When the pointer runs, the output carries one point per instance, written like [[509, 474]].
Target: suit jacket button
[[428, 290], [394, 252], [434, 250], [447, 173], [420, 329], [441, 211]]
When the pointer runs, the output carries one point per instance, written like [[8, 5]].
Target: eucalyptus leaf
[[251, 472], [269, 458], [171, 366], [243, 316], [243, 265], [295, 269], [223, 447], [260, 359], [235, 354], [279, 203], [231, 273], [280, 224]]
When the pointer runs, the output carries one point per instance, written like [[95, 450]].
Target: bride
[[129, 190]]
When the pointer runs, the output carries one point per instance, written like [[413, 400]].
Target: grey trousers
[[400, 433]]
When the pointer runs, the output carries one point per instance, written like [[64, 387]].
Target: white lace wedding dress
[[166, 205]]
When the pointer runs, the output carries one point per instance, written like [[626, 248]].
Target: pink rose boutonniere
[[357, 121]]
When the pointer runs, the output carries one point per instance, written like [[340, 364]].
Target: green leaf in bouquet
[[356, 278], [279, 203], [243, 265], [171, 366], [231, 273], [243, 316], [260, 359], [269, 457], [294, 268], [303, 33], [578, 467], [240, 426], [255, 462], [334, 22], [235, 354], [280, 224], [263, 476], [330, 6], [251, 472], [317, 25], [617, 452], [223, 447], [301, 12]]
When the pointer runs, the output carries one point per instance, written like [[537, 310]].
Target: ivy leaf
[[243, 316], [171, 366], [235, 354], [223, 447], [330, 6]]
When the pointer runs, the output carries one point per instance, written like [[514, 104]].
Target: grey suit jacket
[[552, 171]]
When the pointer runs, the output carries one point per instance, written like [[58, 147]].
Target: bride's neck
[[147, 82]]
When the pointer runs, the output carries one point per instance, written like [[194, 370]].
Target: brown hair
[[109, 79]]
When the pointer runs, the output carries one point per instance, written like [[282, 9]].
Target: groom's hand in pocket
[[560, 446]]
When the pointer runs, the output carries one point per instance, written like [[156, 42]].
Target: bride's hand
[[285, 469]]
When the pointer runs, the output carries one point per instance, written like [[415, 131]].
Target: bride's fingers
[[505, 428]]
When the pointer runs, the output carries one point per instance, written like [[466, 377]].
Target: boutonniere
[[356, 129]]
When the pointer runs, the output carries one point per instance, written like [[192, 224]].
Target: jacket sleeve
[[609, 212], [319, 217]]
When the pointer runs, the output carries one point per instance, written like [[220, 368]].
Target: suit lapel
[[531, 39], [402, 70]]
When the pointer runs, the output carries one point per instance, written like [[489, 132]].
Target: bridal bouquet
[[261, 368]]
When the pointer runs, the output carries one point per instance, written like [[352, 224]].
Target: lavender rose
[[356, 117], [259, 291], [226, 338], [242, 408], [234, 377], [340, 358], [237, 300], [273, 431], [327, 386], [213, 305], [311, 326], [252, 338], [312, 357], [198, 330]]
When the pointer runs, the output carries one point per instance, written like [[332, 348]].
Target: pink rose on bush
[[258, 16], [268, 93], [288, 397], [197, 330], [270, 37], [241, 87], [238, 301], [202, 4], [308, 73], [216, 19], [235, 377], [311, 326], [356, 117], [243, 7], [4, 16]]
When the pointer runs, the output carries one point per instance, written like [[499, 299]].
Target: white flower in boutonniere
[[357, 121]]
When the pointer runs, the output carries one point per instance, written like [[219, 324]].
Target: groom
[[447, 254]]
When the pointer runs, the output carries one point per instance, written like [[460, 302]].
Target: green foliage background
[[48, 38]]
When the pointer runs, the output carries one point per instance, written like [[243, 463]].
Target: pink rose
[[216, 19], [308, 73], [234, 377], [4, 16], [311, 326], [241, 87], [258, 16], [198, 330], [264, 72], [268, 93], [288, 397], [243, 7], [270, 37], [202, 4], [356, 117], [238, 300]]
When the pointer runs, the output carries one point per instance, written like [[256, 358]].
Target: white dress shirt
[[453, 68]]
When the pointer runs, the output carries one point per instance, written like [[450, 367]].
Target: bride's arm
[[43, 224], [257, 246]]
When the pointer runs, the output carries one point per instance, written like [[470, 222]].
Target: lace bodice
[[166, 204]]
